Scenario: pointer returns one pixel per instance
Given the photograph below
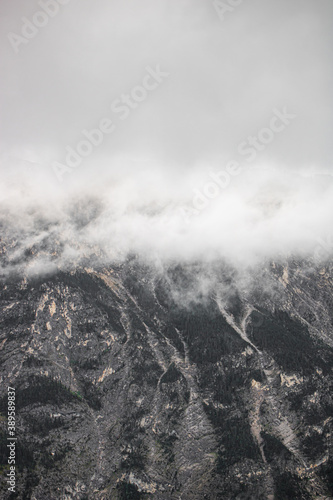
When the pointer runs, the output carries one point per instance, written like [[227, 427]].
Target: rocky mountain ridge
[[132, 382]]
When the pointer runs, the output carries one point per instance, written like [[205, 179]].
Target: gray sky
[[225, 78]]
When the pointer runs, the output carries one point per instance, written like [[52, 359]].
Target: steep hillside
[[136, 383]]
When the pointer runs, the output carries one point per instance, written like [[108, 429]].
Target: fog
[[176, 130], [262, 214]]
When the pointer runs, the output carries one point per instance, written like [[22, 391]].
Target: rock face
[[132, 383]]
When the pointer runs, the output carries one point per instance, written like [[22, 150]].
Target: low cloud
[[264, 214], [178, 131]]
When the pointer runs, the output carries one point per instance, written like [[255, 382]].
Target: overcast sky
[[222, 77]]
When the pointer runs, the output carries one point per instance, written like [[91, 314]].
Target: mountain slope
[[133, 383]]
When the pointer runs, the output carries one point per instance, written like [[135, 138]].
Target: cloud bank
[[263, 214], [166, 130]]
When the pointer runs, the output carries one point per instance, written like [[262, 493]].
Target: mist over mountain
[[261, 215], [166, 280], [175, 130], [172, 130]]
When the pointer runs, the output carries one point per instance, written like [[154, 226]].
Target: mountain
[[192, 381]]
